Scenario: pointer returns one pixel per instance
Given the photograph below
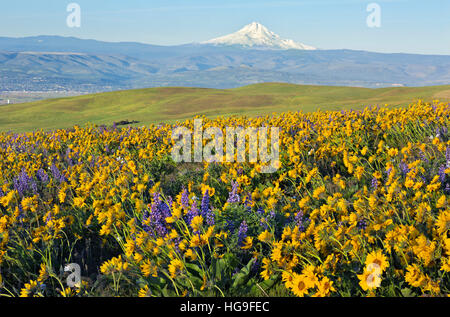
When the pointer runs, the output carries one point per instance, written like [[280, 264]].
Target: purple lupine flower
[[374, 184], [1, 193], [33, 187], [271, 215], [204, 207], [263, 223], [21, 215], [230, 225], [145, 216], [167, 207], [447, 157], [441, 173], [301, 221], [92, 162], [177, 242], [404, 168], [49, 218], [42, 176], [193, 212], [248, 202], [233, 195], [423, 157], [388, 172], [206, 211], [22, 183], [210, 218], [159, 213], [185, 199], [242, 233], [255, 266], [55, 172], [362, 224]]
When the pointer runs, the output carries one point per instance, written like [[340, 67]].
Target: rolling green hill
[[156, 105]]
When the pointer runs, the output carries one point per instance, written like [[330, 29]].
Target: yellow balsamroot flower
[[443, 222], [364, 151], [43, 274], [377, 260], [67, 292], [176, 215], [434, 185], [359, 172], [424, 249], [409, 183], [144, 292], [369, 280], [392, 152], [62, 195], [211, 190], [304, 202], [196, 241], [441, 202], [79, 202], [301, 285], [207, 235], [318, 192], [267, 272], [445, 266], [310, 272], [265, 236], [191, 255], [129, 246], [3, 223], [28, 289], [325, 287], [197, 223], [271, 202], [6, 200], [414, 276], [147, 269], [175, 267], [116, 264], [287, 277], [30, 203], [247, 243]]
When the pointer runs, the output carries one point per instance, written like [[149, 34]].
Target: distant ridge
[[34, 64]]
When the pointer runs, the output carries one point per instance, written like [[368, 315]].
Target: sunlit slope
[[156, 105]]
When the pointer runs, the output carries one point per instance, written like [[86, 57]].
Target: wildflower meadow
[[358, 206]]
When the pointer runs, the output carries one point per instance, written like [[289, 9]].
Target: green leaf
[[407, 292]]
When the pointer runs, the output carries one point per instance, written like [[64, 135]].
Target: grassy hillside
[[155, 105]]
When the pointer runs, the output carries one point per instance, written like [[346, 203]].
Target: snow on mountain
[[256, 35]]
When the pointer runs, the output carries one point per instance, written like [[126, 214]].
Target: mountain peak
[[256, 35], [254, 27]]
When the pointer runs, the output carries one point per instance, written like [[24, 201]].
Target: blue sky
[[413, 26]]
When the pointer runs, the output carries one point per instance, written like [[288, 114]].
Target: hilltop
[[156, 105]]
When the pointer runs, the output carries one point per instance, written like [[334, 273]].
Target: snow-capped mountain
[[256, 35]]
